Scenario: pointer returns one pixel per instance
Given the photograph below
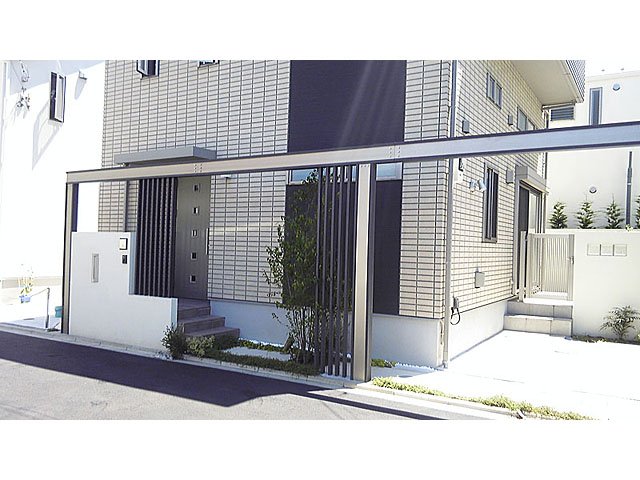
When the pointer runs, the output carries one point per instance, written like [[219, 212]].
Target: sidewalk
[[594, 379]]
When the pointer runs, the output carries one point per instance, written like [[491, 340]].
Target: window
[[524, 123], [562, 113], [595, 106], [205, 63], [299, 176], [494, 90], [56, 97], [491, 206], [389, 171], [148, 68]]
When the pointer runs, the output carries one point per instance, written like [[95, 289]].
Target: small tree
[[638, 212], [292, 264], [558, 217], [585, 215], [614, 215], [620, 320]]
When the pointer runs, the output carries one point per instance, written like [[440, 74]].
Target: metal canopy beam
[[571, 138]]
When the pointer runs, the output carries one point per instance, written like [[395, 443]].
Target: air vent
[[562, 113]]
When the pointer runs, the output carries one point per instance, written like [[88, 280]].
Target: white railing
[[546, 265]]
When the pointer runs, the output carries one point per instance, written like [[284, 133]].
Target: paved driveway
[[45, 379], [595, 379]]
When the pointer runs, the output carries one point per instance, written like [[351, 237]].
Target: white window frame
[[494, 90], [57, 96], [491, 205], [148, 68], [591, 119]]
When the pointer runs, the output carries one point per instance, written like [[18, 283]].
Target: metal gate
[[546, 265]]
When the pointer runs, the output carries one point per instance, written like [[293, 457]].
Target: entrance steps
[[194, 316], [540, 315]]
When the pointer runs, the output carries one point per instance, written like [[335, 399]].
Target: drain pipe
[[628, 209], [449, 232]]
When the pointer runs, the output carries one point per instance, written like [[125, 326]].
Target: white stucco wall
[[405, 339], [35, 155], [105, 310], [604, 282], [476, 326], [571, 174]]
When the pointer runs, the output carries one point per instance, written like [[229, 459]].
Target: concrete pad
[[595, 379]]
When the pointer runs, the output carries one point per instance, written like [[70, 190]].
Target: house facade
[[50, 123], [598, 176], [433, 241]]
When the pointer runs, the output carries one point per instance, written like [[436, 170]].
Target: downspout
[[545, 163], [449, 232], [629, 174]]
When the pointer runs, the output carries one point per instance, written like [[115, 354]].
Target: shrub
[[558, 218], [261, 362], [379, 362], [638, 212], [614, 215], [292, 269], [620, 320], [175, 341], [585, 215], [203, 346]]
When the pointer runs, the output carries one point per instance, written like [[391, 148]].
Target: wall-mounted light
[[593, 189], [24, 100], [510, 120], [82, 75], [477, 185]]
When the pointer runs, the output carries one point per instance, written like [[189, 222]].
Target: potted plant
[[26, 286]]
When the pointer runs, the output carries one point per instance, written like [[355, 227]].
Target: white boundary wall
[[106, 310], [602, 282]]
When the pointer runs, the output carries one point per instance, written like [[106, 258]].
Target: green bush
[[260, 362], [200, 346], [260, 346], [614, 215], [379, 362], [620, 320], [175, 341], [558, 218], [586, 215]]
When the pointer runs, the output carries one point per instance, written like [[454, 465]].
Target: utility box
[[479, 279]]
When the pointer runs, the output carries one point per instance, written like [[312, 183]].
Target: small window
[[562, 113], [595, 106], [524, 123], [148, 68], [194, 256], [205, 63], [494, 90], [299, 176], [389, 171], [57, 96], [491, 206]]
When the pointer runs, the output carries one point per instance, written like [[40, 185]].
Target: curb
[[436, 399]]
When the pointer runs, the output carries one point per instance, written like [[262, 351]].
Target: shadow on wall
[[44, 130]]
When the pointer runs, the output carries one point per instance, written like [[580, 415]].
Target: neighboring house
[[233, 109], [598, 176], [50, 123]]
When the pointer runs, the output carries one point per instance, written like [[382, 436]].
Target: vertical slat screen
[[155, 237], [335, 243], [548, 264]]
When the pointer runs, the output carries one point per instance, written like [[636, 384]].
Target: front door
[[192, 237], [529, 218]]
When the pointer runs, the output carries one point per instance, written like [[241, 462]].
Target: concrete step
[[538, 324], [192, 312], [217, 331], [539, 309], [196, 324]]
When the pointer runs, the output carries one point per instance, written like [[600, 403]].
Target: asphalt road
[[46, 379]]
